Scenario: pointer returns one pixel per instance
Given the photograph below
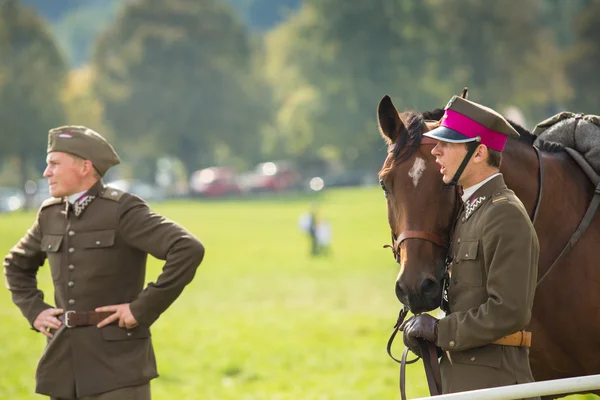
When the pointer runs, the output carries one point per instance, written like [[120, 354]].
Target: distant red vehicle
[[273, 177], [214, 182]]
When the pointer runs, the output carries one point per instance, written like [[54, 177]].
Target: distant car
[[350, 178], [214, 182], [273, 176], [143, 190], [11, 199]]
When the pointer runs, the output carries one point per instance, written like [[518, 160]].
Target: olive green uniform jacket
[[98, 259], [493, 278]]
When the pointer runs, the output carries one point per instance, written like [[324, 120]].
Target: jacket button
[[462, 219], [452, 343], [71, 233], [71, 250], [472, 358], [458, 240], [71, 301], [71, 284], [129, 333], [97, 242], [71, 267]]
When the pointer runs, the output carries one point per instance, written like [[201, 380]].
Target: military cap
[[466, 121], [83, 142]]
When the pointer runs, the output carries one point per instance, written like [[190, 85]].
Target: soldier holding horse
[[555, 194], [490, 282]]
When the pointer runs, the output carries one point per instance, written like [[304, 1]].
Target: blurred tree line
[[211, 83]]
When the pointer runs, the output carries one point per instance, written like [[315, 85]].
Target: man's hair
[[494, 158], [95, 172]]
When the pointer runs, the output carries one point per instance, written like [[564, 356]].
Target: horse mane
[[410, 137]]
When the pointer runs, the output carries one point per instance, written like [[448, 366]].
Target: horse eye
[[385, 192]]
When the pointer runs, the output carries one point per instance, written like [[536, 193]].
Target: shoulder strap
[[112, 193]]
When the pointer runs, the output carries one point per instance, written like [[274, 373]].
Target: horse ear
[[390, 124], [464, 94]]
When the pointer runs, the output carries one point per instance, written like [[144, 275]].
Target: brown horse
[[565, 322]]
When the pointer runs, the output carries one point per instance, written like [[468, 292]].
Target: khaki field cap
[[85, 143], [466, 121]]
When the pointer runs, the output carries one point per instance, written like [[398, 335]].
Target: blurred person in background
[[97, 240], [308, 224], [323, 234]]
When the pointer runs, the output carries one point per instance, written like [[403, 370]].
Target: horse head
[[421, 208]]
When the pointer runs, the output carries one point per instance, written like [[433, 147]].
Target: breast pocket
[[99, 253], [98, 239], [51, 245], [467, 270]]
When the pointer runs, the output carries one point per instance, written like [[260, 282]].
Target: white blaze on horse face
[[417, 170]]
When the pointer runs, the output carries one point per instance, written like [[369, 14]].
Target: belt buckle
[[67, 319]]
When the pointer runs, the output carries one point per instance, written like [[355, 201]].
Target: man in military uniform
[[495, 258], [96, 240]]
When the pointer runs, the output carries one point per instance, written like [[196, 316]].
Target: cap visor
[[448, 135]]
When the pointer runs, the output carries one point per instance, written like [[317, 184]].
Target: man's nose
[[47, 172]]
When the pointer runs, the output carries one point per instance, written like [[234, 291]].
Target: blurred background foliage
[[237, 82]]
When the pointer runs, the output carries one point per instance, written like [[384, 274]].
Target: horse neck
[[520, 169], [566, 194]]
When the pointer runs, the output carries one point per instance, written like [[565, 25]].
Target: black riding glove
[[422, 326]]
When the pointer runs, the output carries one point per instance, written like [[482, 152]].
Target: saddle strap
[[583, 225]]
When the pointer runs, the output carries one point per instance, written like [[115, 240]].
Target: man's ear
[[481, 154], [87, 167]]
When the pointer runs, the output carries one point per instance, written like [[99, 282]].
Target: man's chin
[[55, 194]]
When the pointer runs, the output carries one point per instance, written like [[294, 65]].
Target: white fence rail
[[579, 384]]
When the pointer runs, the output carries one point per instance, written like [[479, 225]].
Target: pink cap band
[[471, 129]]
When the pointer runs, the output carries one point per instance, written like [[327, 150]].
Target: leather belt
[[72, 319], [518, 339]]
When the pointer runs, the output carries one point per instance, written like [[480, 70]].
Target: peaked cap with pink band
[[465, 121]]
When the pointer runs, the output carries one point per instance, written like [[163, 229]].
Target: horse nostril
[[430, 288], [400, 293]]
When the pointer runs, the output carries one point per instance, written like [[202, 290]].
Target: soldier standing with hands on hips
[[97, 240], [495, 253]]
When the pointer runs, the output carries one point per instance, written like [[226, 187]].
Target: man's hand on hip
[[122, 313], [48, 319]]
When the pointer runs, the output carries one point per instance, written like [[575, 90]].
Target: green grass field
[[262, 319]]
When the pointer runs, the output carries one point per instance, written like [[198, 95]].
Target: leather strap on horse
[[429, 356], [432, 367], [422, 235]]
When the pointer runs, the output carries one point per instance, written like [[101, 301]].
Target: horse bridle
[[416, 234]]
